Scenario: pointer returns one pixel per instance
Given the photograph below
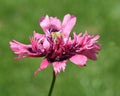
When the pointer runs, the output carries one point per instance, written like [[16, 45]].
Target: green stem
[[52, 84]]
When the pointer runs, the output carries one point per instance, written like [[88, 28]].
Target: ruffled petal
[[50, 24], [58, 66], [46, 44], [44, 64], [44, 23], [37, 35], [91, 53], [95, 38], [55, 22], [19, 48], [67, 24], [92, 41], [79, 60]]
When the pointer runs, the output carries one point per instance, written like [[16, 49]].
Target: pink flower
[[56, 46]]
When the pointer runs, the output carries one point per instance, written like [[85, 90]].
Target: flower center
[[56, 35]]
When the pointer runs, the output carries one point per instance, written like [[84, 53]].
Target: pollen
[[56, 35]]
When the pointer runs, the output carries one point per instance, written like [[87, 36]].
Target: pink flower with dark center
[[56, 46]]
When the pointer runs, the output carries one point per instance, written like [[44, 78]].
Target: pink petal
[[37, 35], [44, 64], [68, 23], [22, 50], [91, 54], [55, 22], [44, 23], [58, 66], [85, 38], [18, 47], [79, 60], [46, 44], [92, 41], [96, 38]]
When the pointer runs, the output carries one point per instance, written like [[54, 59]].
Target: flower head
[[56, 46]]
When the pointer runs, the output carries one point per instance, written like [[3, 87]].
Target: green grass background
[[18, 20]]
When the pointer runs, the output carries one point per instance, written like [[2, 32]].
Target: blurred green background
[[18, 20]]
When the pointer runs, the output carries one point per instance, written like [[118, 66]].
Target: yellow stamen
[[55, 35]]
